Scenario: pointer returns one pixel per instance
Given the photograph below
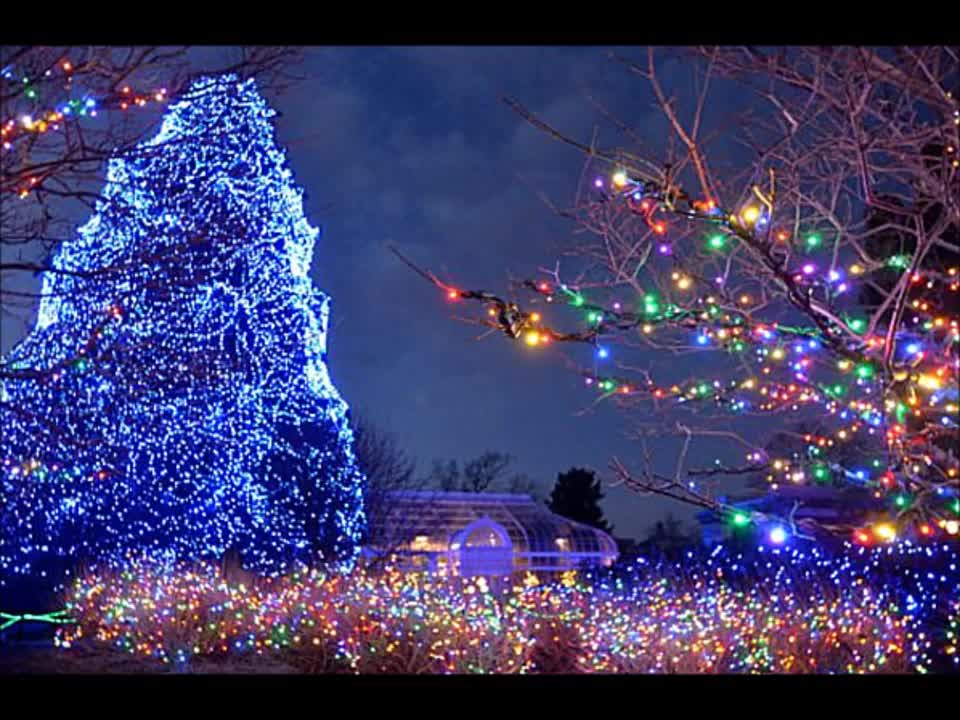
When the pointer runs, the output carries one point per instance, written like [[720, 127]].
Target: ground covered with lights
[[766, 610]]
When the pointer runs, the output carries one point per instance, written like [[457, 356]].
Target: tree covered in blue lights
[[173, 398]]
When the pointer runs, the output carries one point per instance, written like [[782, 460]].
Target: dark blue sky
[[412, 146]]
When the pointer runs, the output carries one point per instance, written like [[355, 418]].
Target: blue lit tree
[[175, 398]]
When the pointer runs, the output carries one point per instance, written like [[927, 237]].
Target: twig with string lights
[[777, 528], [504, 315]]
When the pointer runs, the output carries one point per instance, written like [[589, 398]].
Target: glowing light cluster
[[43, 118], [901, 401], [180, 403], [764, 611]]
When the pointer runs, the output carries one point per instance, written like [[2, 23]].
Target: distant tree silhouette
[[668, 534], [482, 474], [523, 484], [386, 465], [577, 495], [445, 476]]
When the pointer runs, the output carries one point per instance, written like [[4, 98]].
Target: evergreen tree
[[577, 495], [187, 410]]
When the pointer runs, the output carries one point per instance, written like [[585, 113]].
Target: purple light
[[665, 249], [598, 183], [809, 268]]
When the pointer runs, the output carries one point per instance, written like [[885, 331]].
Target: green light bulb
[[901, 412]]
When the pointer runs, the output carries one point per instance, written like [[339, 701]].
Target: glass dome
[[484, 534]]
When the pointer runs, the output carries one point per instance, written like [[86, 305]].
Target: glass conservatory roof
[[438, 520]]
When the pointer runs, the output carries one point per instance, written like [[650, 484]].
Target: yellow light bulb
[[620, 178], [885, 531], [751, 214], [532, 338]]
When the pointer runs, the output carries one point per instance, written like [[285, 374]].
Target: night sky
[[412, 146]]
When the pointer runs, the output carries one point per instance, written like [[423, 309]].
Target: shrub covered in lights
[[174, 397], [765, 610]]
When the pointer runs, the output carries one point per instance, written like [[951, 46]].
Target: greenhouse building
[[468, 534]]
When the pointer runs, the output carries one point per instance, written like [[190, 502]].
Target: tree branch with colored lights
[[820, 277]]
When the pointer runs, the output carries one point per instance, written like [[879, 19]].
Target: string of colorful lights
[[43, 117], [766, 611], [892, 390]]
